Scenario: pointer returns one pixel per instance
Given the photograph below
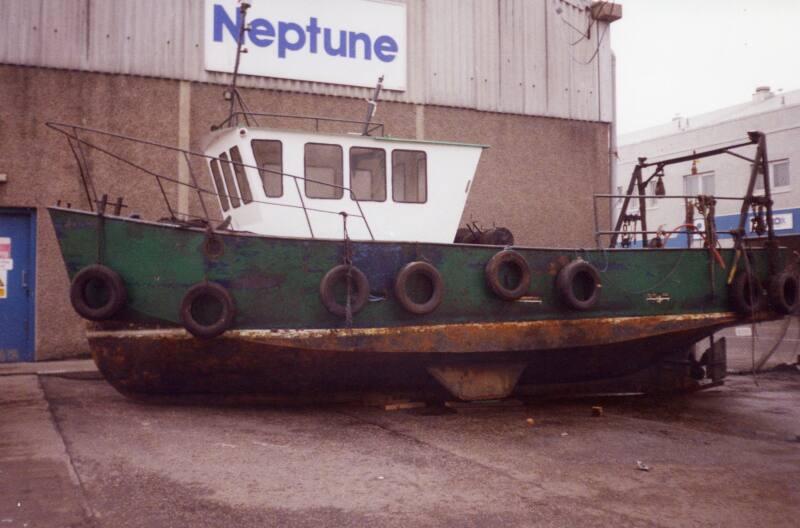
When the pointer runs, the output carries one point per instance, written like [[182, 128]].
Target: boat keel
[[478, 382]]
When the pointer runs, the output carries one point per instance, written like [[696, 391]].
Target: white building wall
[[778, 117]]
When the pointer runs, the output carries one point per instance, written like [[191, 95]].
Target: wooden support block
[[401, 406]]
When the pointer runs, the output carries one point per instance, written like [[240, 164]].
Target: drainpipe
[[612, 151]]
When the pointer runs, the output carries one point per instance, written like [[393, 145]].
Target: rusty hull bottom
[[318, 362]]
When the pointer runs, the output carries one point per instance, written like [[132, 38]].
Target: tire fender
[[107, 279], [579, 273], [492, 273], [339, 273], [784, 292], [218, 293], [401, 287], [743, 301]]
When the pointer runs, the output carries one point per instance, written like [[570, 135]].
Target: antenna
[[232, 93], [372, 105]]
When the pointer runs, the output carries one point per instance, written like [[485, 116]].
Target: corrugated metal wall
[[514, 56]]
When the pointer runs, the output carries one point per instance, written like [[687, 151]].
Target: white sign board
[[350, 42], [780, 222]]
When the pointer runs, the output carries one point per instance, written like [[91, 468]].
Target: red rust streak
[[458, 338]]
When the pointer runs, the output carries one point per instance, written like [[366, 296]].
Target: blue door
[[17, 259]]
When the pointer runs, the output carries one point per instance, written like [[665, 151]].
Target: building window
[[222, 194], [323, 171], [697, 184], [368, 174], [651, 200], [780, 174], [233, 194], [779, 177], [409, 176], [269, 158], [620, 192], [241, 177]]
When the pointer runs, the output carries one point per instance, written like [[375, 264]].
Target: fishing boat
[[334, 268]]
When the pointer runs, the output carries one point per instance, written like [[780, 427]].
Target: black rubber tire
[[741, 299], [226, 316], [111, 282], [401, 291], [784, 292], [492, 273], [578, 270], [328, 283]]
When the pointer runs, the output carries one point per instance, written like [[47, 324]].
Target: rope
[[348, 261], [750, 286]]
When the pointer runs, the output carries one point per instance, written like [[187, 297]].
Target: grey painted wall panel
[[534, 58], [511, 56], [487, 58], [605, 74], [583, 72]]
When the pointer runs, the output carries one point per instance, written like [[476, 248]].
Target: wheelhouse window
[[222, 194], [241, 177], [233, 193], [269, 158], [409, 176], [368, 174], [323, 171]]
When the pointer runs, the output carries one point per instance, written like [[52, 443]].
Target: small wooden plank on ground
[[402, 406]]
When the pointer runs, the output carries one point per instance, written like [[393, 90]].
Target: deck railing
[[247, 116], [79, 145]]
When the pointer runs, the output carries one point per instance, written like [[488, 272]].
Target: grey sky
[[694, 56]]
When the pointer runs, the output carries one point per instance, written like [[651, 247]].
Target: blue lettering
[[364, 39], [386, 48], [283, 43], [313, 32], [221, 19], [262, 32], [293, 37], [341, 51]]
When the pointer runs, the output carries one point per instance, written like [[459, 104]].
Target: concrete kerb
[[48, 368]]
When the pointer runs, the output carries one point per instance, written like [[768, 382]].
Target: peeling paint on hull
[[170, 361], [449, 339]]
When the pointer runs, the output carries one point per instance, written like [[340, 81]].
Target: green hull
[[275, 281]]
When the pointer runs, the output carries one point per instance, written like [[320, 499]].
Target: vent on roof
[[762, 94]]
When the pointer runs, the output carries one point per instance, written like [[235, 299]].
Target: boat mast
[[232, 93], [372, 105]]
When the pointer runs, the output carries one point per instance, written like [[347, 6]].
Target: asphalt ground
[[75, 453]]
